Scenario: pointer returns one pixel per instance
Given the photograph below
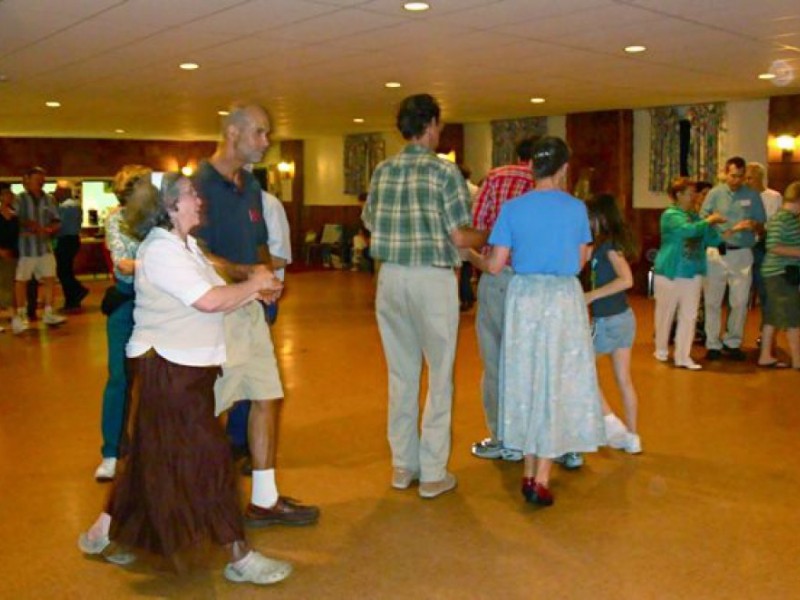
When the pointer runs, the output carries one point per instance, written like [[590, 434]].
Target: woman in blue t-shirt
[[548, 381]]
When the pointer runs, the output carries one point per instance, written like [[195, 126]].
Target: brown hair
[[678, 185], [126, 179], [792, 193]]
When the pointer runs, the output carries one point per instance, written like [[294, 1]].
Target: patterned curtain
[[665, 147], [707, 121], [362, 153], [507, 134]]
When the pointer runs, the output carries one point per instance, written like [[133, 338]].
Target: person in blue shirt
[[548, 381], [730, 264]]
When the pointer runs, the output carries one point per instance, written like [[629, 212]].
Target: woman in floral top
[[133, 189]]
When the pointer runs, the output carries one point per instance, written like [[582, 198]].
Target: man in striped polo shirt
[[39, 222]]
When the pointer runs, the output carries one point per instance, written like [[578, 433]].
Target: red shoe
[[540, 495]]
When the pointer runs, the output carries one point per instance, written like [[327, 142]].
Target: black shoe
[[734, 353], [713, 354]]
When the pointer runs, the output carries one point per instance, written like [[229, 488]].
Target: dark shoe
[[81, 295], [528, 485], [713, 354], [539, 495], [775, 364], [734, 353], [286, 511]]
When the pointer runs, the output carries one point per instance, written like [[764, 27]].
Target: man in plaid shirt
[[417, 211], [501, 184]]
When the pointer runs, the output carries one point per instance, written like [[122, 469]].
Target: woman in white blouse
[[177, 487]]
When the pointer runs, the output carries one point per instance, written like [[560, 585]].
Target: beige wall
[[746, 136]]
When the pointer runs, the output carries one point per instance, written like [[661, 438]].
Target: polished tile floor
[[710, 510]]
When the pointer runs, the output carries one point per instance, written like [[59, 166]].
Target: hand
[[588, 297], [744, 225], [715, 218], [464, 254], [270, 297]]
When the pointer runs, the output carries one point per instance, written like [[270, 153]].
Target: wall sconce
[[786, 143], [187, 170], [451, 156], [286, 169]]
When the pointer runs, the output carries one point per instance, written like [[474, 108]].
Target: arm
[[468, 237], [494, 262], [120, 256], [622, 282], [790, 251], [225, 298], [585, 255]]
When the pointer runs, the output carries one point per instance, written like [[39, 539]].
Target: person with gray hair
[[178, 484]]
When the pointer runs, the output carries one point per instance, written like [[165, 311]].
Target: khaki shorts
[[41, 266], [250, 371]]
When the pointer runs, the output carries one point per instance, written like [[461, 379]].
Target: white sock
[[265, 490], [21, 313]]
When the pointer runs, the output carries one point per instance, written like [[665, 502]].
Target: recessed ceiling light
[[52, 104], [358, 120], [187, 66], [537, 100], [223, 113], [3, 78], [416, 6], [393, 84], [767, 76], [634, 49], [119, 131]]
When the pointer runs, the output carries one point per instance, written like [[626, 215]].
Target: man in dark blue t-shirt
[[235, 238]]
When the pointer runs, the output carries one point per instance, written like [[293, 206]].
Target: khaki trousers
[[682, 295], [417, 313], [733, 270]]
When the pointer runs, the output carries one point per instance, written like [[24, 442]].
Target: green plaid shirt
[[416, 199]]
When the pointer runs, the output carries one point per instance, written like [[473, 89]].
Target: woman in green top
[[781, 272], [679, 269]]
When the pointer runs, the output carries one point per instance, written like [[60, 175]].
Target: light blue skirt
[[549, 397]]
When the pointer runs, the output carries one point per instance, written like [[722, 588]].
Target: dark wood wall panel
[[95, 157], [784, 118]]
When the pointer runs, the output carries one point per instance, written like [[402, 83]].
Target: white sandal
[[257, 568]]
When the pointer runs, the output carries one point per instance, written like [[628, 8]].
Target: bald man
[[235, 236]]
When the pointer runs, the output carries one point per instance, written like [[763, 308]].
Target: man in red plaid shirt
[[501, 184]]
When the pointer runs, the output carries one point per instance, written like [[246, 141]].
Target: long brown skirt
[[177, 487]]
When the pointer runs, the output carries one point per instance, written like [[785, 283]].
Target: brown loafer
[[286, 511]]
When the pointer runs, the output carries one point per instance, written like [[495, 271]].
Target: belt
[[732, 247]]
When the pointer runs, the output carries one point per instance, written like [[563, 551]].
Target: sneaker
[[713, 354], [403, 478], [104, 548], [616, 431], [432, 489], [106, 470], [53, 319], [690, 364], [633, 444], [511, 455], [571, 460], [487, 448], [257, 568], [661, 356], [19, 324]]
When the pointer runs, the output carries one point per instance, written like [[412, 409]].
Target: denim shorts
[[614, 332]]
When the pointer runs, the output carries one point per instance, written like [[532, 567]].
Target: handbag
[[113, 299], [791, 273]]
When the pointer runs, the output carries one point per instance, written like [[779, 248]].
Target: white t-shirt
[[280, 240], [772, 201], [170, 276]]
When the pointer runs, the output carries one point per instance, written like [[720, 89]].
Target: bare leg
[[793, 336], [529, 468], [20, 293], [767, 336], [262, 431], [543, 468], [621, 358], [48, 285]]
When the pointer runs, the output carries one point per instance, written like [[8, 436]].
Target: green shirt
[[783, 229], [416, 199], [683, 244]]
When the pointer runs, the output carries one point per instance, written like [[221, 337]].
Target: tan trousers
[[417, 313], [681, 295], [733, 270]]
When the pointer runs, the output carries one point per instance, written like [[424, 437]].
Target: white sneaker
[[19, 324], [690, 364], [633, 444], [616, 432], [53, 319], [432, 489], [106, 470], [257, 568], [661, 356]]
